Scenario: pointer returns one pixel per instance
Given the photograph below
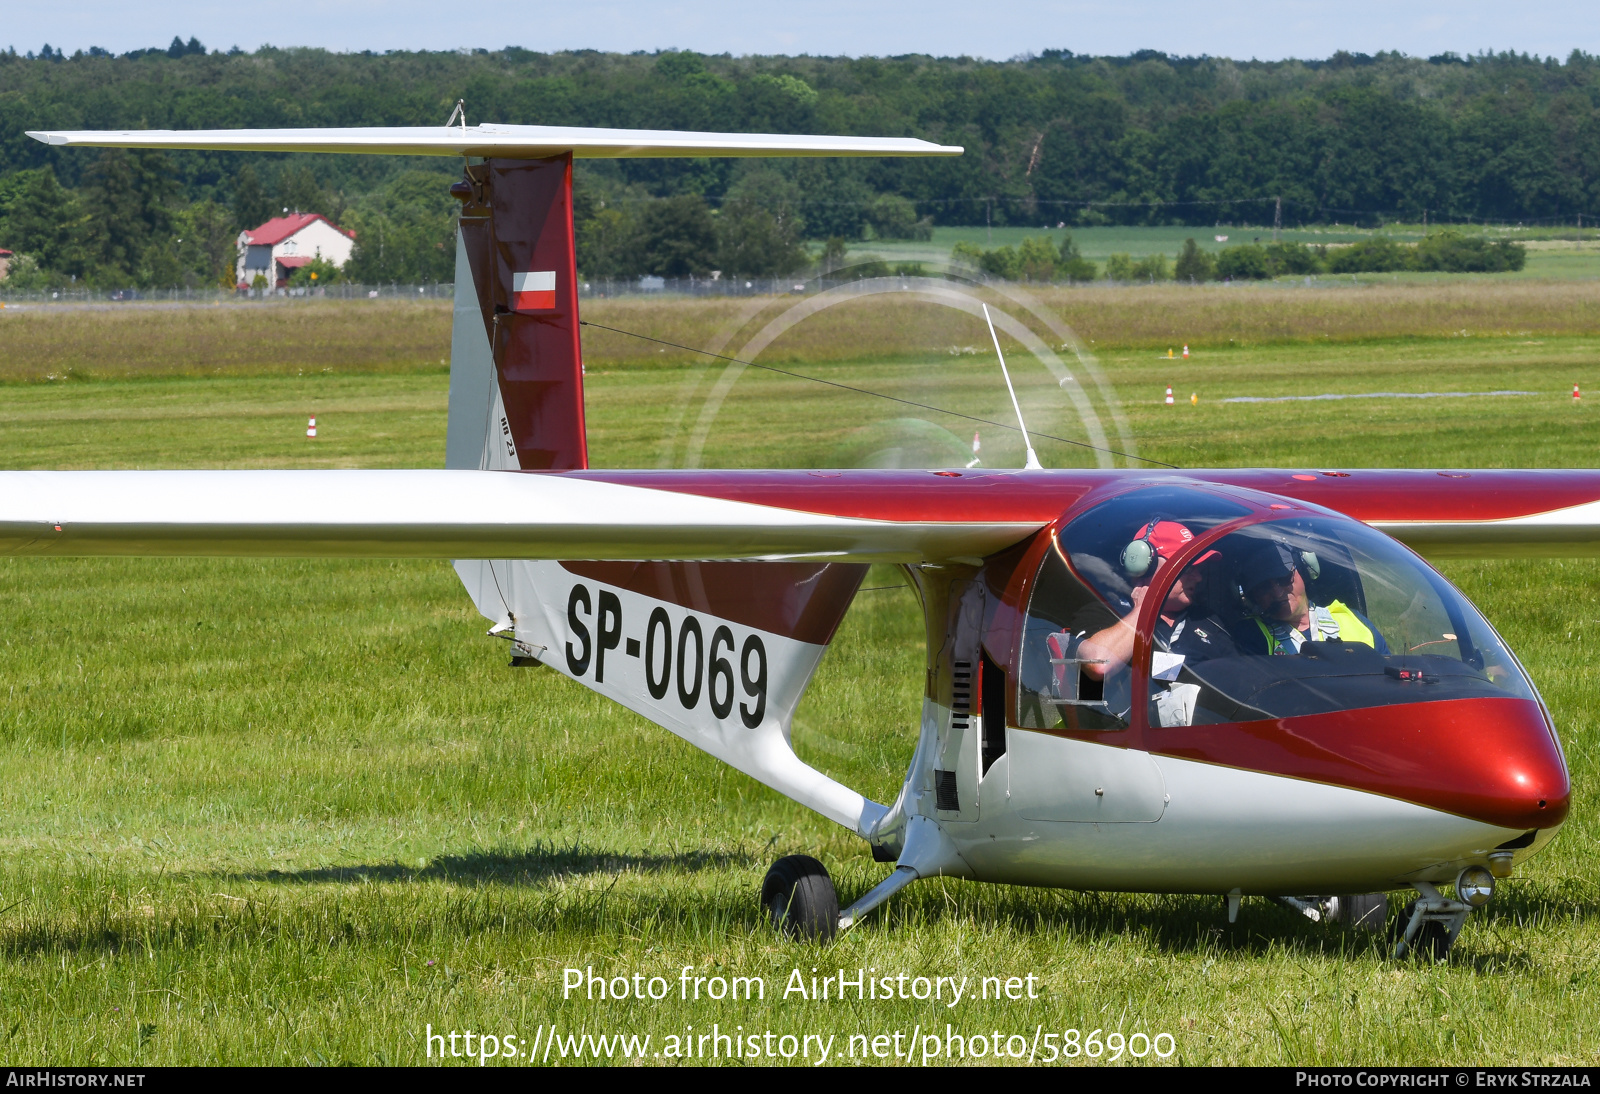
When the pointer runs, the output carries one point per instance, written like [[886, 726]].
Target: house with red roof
[[284, 244]]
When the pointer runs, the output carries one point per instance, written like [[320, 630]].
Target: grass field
[[298, 811]]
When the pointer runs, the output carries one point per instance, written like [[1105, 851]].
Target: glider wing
[[516, 142], [445, 514]]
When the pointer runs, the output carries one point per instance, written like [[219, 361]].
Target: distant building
[[283, 244], [5, 264]]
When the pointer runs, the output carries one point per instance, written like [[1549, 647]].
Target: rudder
[[516, 368]]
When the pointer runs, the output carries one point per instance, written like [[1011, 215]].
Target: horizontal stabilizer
[[524, 142], [443, 514]]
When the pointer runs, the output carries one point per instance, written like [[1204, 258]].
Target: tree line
[[126, 224], [1039, 258], [1052, 139]]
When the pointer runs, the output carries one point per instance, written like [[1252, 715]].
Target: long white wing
[[442, 514], [503, 141], [1572, 532]]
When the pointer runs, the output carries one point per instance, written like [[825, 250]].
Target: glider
[[1398, 747]]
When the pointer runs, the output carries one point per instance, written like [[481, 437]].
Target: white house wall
[[318, 237]]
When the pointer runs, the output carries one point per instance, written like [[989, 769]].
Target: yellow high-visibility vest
[[1351, 629]]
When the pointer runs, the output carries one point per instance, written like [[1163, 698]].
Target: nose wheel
[[799, 897], [1431, 939], [1430, 924]]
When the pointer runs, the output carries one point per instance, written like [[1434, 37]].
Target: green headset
[[1139, 555]]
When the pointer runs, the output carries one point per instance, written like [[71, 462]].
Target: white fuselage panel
[[1222, 828]]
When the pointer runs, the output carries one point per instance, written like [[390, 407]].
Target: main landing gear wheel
[[799, 896], [1362, 911]]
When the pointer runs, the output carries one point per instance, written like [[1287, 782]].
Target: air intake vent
[[944, 791], [961, 695], [1524, 840]]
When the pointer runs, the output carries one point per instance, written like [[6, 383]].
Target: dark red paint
[[1041, 496], [800, 600], [517, 218], [1492, 760]]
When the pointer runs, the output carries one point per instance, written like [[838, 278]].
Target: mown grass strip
[[260, 811]]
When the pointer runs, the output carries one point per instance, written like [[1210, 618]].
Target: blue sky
[[998, 29]]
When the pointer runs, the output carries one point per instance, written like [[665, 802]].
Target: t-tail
[[718, 652]]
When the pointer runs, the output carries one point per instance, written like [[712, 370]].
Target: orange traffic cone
[[1185, 353], [1169, 394], [311, 427], [1575, 395]]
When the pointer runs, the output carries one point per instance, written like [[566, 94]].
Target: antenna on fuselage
[[1032, 463]]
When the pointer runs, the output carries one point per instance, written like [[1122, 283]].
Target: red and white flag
[[533, 291]]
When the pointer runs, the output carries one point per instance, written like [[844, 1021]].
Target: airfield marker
[[311, 427], [1169, 394], [1575, 396]]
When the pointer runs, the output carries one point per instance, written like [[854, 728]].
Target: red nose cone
[[1492, 760]]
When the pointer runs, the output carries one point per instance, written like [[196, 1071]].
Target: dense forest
[[1051, 139]]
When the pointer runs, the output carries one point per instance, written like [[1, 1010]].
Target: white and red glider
[[1402, 747]]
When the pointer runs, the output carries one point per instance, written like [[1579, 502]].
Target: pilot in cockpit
[[1101, 643], [1282, 616]]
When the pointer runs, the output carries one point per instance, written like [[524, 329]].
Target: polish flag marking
[[533, 291]]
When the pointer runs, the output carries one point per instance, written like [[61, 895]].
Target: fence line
[[598, 288], [441, 291]]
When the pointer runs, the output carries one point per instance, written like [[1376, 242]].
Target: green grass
[[295, 811]]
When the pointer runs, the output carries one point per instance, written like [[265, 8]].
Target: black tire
[[1432, 942], [1364, 911], [799, 896]]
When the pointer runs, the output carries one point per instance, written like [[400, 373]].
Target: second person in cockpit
[[1273, 577]]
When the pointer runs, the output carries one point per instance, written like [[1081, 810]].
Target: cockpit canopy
[[1263, 614]]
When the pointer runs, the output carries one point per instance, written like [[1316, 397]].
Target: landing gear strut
[[1428, 925]]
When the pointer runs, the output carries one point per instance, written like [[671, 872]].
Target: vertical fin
[[718, 653], [515, 336]]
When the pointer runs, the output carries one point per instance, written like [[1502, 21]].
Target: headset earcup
[[1136, 558], [1312, 563]]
